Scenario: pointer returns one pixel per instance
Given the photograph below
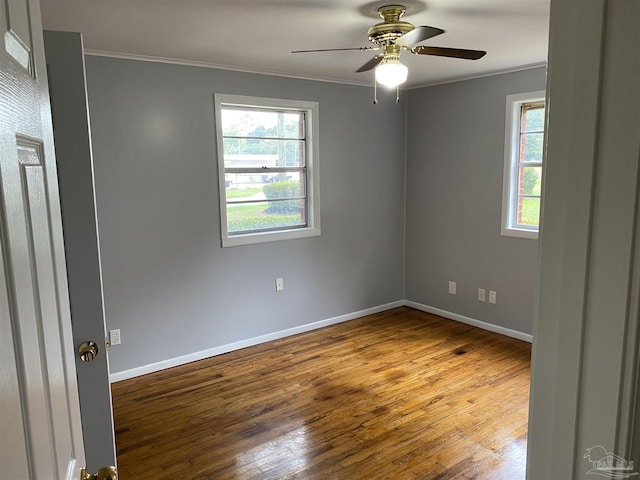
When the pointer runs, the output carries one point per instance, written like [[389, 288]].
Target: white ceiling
[[258, 35]]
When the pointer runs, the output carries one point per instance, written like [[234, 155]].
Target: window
[[268, 169], [522, 181]]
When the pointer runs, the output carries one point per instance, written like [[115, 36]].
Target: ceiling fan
[[392, 36]]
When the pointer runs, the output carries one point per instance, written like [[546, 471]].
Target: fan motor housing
[[384, 33], [392, 27]]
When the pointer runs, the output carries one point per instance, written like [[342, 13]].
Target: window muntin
[[523, 165], [267, 153]]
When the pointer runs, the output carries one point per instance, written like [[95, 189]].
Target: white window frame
[[510, 184], [311, 110]]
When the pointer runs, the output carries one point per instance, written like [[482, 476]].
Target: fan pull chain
[[375, 93]]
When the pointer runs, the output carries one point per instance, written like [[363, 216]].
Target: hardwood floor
[[401, 394]]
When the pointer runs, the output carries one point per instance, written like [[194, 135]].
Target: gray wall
[[455, 158], [168, 285]]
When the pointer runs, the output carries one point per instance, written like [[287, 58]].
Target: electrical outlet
[[492, 296], [279, 284], [452, 287], [114, 337], [481, 293]]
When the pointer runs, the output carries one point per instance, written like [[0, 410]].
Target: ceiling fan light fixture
[[391, 73]]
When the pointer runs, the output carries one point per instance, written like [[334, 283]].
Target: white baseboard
[[471, 321], [192, 357], [211, 352]]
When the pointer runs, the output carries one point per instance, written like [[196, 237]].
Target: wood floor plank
[[402, 394]]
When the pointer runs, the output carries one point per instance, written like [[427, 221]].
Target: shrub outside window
[[268, 167], [523, 167]]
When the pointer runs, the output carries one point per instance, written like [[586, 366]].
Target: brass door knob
[[88, 351], [105, 473]]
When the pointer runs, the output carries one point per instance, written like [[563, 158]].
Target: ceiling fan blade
[[371, 64], [362, 49], [417, 35], [449, 52]]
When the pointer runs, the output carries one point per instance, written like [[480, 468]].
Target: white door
[[40, 427]]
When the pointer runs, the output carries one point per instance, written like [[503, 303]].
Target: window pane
[[261, 185], [258, 153], [529, 211], [530, 180], [532, 119], [531, 147], [243, 122], [265, 215]]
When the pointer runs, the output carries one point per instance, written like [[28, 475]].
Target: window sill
[[519, 233], [264, 237]]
